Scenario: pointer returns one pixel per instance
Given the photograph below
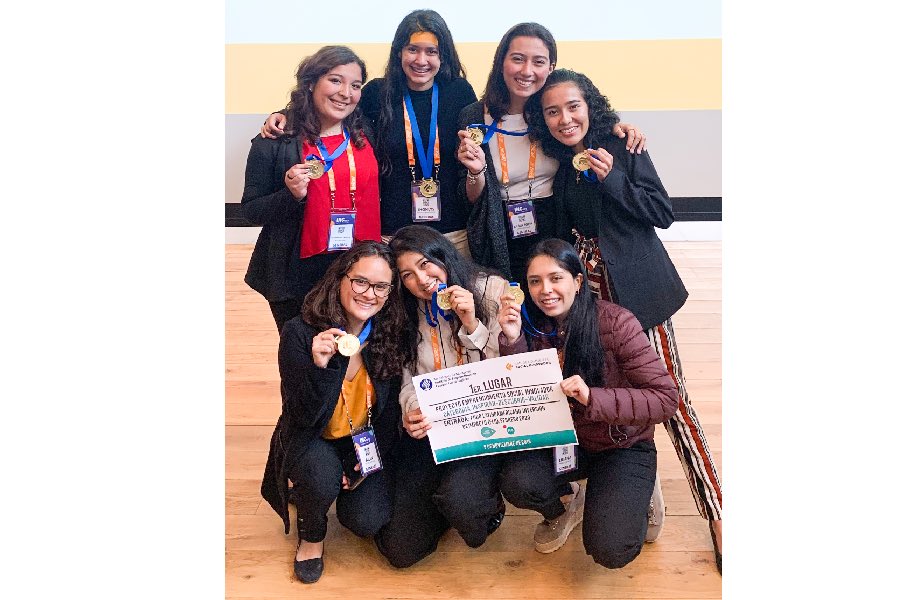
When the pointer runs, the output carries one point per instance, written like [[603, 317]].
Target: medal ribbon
[[589, 175], [504, 169], [492, 128], [329, 161], [530, 328], [364, 334], [431, 159], [433, 310]]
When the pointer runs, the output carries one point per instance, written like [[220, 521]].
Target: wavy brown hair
[[389, 346], [302, 118]]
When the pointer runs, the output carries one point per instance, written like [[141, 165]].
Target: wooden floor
[[258, 556]]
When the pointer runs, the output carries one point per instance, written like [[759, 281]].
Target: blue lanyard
[[530, 328], [364, 334], [326, 158], [492, 129], [428, 161]]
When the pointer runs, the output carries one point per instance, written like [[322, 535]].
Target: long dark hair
[[302, 118], [496, 94], [583, 346], [431, 244], [394, 77], [601, 115], [322, 309]]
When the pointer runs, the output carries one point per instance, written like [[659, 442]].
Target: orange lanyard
[[410, 154], [332, 187], [436, 350], [370, 391], [504, 169]]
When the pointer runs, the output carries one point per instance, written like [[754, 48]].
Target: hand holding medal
[[325, 345], [460, 301], [595, 164], [510, 315]]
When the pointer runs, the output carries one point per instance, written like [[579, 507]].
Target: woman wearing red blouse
[[313, 189]]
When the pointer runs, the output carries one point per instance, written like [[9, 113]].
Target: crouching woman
[[340, 364], [618, 390]]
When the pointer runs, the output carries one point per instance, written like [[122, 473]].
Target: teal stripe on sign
[[525, 442]]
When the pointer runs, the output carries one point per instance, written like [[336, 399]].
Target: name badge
[[426, 206], [521, 218], [340, 234], [367, 451], [566, 458]]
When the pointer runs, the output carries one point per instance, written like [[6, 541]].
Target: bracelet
[[471, 178]]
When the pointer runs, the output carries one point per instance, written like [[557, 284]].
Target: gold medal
[[348, 344], [475, 134], [443, 300], [581, 162], [428, 188], [516, 292], [316, 169]]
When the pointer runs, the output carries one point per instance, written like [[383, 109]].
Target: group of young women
[[372, 197]]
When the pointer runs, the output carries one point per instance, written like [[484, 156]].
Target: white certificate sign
[[503, 404]]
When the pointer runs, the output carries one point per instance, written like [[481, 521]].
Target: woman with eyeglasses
[[618, 390], [340, 365], [463, 494], [314, 188]]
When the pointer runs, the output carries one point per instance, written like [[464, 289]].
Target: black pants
[[317, 478], [469, 492], [619, 486], [311, 270], [285, 311], [416, 525]]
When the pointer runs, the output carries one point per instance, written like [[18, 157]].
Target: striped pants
[[684, 428]]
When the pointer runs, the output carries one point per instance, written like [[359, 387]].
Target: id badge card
[[521, 219], [426, 206], [340, 231], [367, 451], [565, 458]]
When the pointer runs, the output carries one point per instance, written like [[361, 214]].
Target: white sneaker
[[656, 513], [549, 536]]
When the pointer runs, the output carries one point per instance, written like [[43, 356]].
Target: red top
[[316, 218]]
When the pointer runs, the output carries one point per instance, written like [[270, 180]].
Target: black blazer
[[309, 395], [622, 211]]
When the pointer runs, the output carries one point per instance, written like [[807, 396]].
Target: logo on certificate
[[425, 384], [487, 432]]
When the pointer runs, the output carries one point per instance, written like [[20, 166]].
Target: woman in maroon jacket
[[618, 389]]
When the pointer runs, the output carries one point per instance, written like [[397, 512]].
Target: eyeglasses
[[361, 286]]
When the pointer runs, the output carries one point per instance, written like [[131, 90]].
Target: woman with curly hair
[[314, 189], [613, 200], [341, 365]]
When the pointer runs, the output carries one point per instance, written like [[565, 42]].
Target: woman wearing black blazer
[[333, 387], [613, 201]]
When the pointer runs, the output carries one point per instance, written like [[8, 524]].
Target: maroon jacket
[[639, 391]]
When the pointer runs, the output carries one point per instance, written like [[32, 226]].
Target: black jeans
[[619, 485], [469, 492], [416, 525], [285, 311], [317, 478]]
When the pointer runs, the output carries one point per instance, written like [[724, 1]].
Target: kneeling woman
[[618, 389], [339, 403]]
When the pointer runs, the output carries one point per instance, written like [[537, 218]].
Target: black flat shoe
[[309, 570], [716, 548]]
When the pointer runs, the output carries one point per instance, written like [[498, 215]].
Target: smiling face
[[420, 60], [525, 69], [361, 307], [419, 275], [337, 93], [566, 114], [552, 287]]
